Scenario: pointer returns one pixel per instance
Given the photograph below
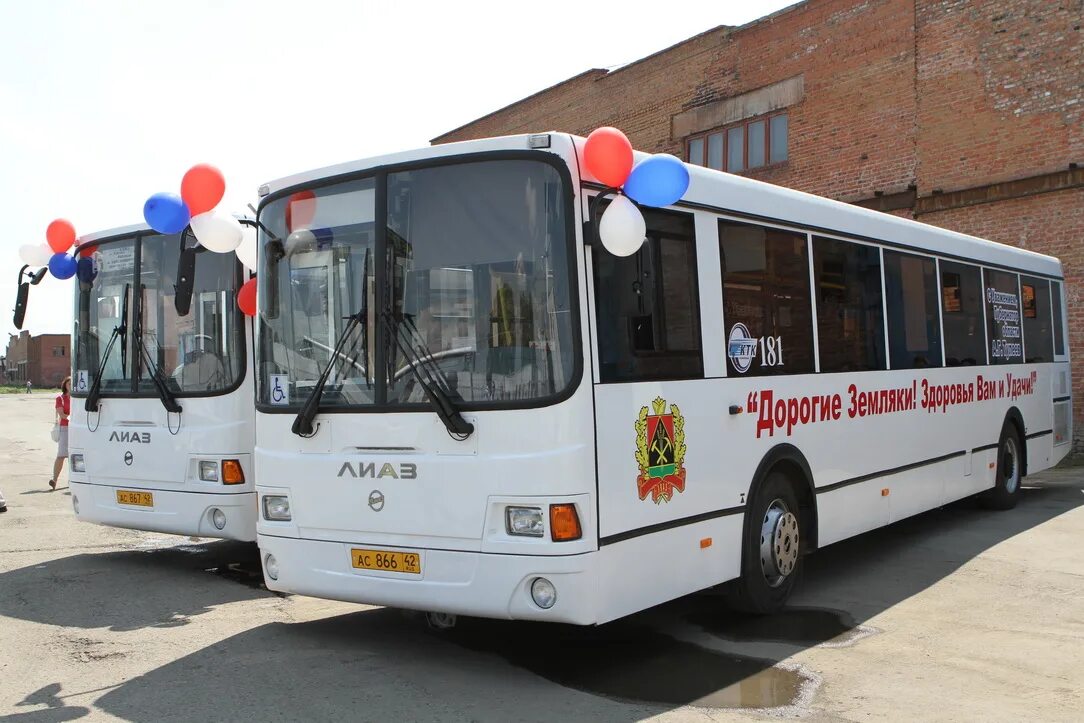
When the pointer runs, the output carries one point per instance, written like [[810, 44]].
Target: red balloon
[[86, 250], [246, 298], [300, 210], [60, 235], [608, 156], [202, 188]]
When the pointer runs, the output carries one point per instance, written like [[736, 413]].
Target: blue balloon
[[658, 180], [62, 266], [166, 213], [86, 271]]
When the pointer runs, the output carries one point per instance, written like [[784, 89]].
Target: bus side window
[[647, 305], [766, 300], [1035, 305], [1001, 290], [914, 328], [961, 314], [1059, 333], [850, 314]]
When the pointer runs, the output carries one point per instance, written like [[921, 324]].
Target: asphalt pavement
[[957, 614]]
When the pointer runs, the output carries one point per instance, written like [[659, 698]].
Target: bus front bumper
[[462, 583], [173, 512]]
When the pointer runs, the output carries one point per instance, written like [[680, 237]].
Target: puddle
[[799, 626], [634, 664]]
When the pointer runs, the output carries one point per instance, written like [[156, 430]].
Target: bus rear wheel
[[1009, 476], [772, 549]]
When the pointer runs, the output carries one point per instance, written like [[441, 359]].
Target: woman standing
[[63, 410]]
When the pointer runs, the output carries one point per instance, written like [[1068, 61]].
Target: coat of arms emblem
[[660, 452]]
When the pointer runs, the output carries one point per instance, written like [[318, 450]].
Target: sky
[[104, 103]]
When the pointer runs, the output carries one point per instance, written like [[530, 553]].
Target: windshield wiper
[[432, 381], [168, 400], [121, 331]]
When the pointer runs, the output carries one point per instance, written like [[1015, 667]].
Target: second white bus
[[161, 428], [467, 405]]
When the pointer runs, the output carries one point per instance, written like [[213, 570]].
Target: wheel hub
[[778, 543]]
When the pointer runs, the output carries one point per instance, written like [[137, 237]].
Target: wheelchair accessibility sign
[[280, 389]]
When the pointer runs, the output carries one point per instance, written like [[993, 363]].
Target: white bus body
[[727, 383], [133, 463]]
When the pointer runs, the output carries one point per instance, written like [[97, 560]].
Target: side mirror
[[186, 277], [20, 304]]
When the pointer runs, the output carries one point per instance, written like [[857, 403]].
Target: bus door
[[661, 464]]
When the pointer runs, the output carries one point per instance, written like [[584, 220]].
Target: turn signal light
[[232, 473], [564, 523]]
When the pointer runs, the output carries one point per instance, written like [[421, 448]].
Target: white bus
[[465, 406], [161, 428]]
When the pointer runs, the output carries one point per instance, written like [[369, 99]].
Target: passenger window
[[648, 305], [914, 328], [1059, 338], [766, 300], [1038, 332], [1002, 293], [850, 316], [961, 307]]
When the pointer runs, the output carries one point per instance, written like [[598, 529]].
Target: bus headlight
[[276, 508], [78, 464], [524, 521], [271, 567], [218, 518], [208, 470]]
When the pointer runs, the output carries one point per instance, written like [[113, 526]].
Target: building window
[[58, 351], [753, 143]]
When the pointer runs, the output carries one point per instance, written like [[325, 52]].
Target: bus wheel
[[771, 553], [1006, 491]]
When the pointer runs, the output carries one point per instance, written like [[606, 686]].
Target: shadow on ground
[[384, 665], [129, 590]]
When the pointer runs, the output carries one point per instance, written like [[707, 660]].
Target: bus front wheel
[[772, 548], [1010, 467]]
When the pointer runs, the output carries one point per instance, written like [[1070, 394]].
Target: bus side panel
[[640, 572], [670, 505]]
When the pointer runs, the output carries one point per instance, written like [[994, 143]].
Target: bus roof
[[727, 193]]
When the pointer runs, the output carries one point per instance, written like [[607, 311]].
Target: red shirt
[[64, 401]]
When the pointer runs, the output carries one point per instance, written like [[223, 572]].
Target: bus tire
[[1010, 469], [772, 548]]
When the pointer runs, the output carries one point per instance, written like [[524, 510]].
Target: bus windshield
[[199, 353], [469, 276]]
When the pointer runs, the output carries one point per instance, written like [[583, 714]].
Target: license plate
[[140, 499], [385, 561]]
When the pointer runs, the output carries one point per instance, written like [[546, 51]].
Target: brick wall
[[912, 106]]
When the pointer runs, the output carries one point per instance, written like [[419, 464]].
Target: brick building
[[966, 114], [43, 359]]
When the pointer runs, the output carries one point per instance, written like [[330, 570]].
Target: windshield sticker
[[280, 389], [660, 452], [81, 381]]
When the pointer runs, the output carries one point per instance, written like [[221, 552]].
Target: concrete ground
[[958, 614]]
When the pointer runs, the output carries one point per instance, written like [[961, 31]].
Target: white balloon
[[217, 231], [246, 252], [622, 228], [299, 241], [35, 254]]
